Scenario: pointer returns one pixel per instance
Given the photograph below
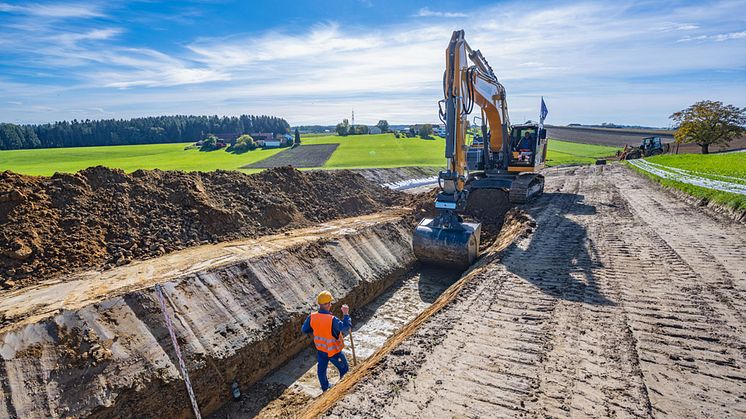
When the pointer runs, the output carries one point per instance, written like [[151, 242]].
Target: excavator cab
[[527, 145]]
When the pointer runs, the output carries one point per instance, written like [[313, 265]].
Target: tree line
[[344, 128], [149, 130]]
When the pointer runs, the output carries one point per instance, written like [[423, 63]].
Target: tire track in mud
[[683, 306], [607, 310], [591, 367], [507, 353]]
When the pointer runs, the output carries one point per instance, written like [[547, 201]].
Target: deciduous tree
[[426, 130], [709, 123], [343, 128]]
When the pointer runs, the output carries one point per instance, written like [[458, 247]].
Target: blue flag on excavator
[[544, 110]]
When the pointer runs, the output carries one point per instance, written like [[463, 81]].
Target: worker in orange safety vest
[[328, 337]]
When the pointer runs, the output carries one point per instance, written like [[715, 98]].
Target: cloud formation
[[426, 12], [69, 10], [593, 62]]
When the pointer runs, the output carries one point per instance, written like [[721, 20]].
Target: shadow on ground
[[560, 259]]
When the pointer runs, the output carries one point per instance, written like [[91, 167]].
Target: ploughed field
[[606, 136], [302, 156]]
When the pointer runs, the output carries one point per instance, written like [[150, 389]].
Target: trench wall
[[114, 358]]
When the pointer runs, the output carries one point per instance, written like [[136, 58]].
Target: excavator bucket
[[453, 247]]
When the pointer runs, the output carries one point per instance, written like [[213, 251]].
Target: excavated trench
[[96, 344], [289, 389]]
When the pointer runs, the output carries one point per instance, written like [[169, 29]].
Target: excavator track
[[526, 187]]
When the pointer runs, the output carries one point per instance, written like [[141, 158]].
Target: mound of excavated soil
[[101, 217]]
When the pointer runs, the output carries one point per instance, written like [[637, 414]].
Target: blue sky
[[631, 62]]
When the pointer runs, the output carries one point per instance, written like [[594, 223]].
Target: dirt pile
[[102, 217]]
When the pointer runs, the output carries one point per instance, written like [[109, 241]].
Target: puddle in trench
[[287, 390]]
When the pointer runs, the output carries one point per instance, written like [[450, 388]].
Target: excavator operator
[[525, 146], [525, 143]]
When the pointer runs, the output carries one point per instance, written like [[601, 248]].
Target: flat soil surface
[[303, 156], [621, 137], [625, 301], [608, 137]]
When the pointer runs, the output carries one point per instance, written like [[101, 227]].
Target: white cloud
[[732, 35], [426, 12], [593, 62], [70, 38], [716, 37], [63, 10]]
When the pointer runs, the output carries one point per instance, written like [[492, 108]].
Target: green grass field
[[365, 151], [47, 161], [730, 164], [564, 152], [713, 166], [382, 150]]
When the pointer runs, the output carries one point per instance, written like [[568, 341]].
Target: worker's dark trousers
[[338, 360]]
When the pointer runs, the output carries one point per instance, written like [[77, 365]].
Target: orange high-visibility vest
[[321, 323]]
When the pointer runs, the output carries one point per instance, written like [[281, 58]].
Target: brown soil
[[96, 345], [600, 136], [623, 302], [307, 155], [102, 217]]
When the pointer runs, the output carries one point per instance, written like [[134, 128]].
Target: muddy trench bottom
[[287, 390]]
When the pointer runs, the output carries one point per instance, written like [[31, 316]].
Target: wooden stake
[[352, 345]]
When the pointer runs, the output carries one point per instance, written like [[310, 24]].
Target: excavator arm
[[469, 80]]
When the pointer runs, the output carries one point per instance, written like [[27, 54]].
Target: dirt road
[[624, 302]]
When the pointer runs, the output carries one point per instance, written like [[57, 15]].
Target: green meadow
[[729, 167], [129, 158], [716, 165], [363, 151]]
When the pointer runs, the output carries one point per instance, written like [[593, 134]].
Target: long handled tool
[[352, 345]]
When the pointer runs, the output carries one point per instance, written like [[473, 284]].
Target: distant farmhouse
[[374, 130], [269, 140], [229, 138]]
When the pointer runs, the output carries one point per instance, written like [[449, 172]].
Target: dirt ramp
[[102, 217], [112, 357]]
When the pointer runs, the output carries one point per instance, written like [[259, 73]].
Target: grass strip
[[731, 200]]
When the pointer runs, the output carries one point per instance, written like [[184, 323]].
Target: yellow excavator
[[500, 156]]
